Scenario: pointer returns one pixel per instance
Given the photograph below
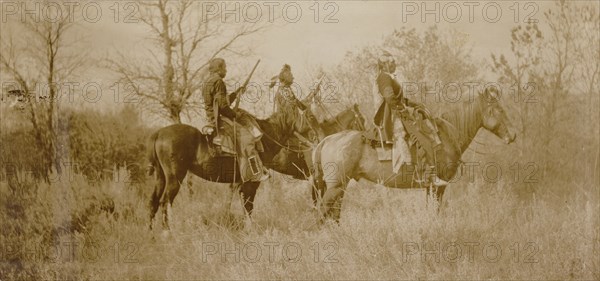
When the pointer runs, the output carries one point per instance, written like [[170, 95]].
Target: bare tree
[[520, 74], [182, 45], [555, 75], [587, 56], [38, 63]]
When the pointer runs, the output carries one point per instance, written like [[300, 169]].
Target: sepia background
[[82, 91]]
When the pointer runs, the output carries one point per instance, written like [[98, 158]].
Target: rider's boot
[[262, 173], [433, 177]]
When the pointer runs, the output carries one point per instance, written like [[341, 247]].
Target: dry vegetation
[[91, 222], [75, 230]]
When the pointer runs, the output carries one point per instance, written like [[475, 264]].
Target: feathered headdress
[[281, 76]]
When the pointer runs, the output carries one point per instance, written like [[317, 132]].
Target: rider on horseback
[[393, 115], [285, 98], [217, 104]]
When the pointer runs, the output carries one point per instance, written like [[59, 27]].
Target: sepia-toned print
[[310, 140]]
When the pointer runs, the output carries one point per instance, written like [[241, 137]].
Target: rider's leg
[[401, 151], [431, 169]]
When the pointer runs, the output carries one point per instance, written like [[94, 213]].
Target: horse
[[178, 149], [349, 155], [292, 159], [287, 160]]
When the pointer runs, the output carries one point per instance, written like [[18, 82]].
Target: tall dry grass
[[77, 230]]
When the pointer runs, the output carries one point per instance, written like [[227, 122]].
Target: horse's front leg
[[439, 193], [234, 188], [248, 191]]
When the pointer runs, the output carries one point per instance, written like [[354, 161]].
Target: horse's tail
[[319, 185], [152, 157]]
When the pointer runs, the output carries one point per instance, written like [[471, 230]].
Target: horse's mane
[[350, 112], [466, 119], [278, 123], [333, 121]]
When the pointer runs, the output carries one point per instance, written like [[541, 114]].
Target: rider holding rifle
[[220, 115]]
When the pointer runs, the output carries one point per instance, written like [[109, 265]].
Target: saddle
[[235, 140], [417, 137], [375, 138], [220, 142]]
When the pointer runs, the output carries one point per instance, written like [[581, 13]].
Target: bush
[[93, 143]]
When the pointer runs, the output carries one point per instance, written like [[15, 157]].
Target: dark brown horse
[[183, 141], [347, 155], [178, 149]]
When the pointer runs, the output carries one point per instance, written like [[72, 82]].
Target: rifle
[[239, 97], [313, 93]]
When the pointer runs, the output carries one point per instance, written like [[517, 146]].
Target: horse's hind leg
[[173, 183], [332, 202], [248, 191], [336, 209], [159, 188], [318, 190]]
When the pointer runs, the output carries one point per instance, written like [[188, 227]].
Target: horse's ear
[[356, 107]]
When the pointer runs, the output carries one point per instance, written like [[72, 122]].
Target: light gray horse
[[348, 155]]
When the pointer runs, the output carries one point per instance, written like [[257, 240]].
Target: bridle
[[357, 117]]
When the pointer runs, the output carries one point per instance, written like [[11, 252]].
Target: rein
[[335, 118], [357, 117]]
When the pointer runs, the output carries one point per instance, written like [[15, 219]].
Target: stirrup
[[265, 176], [430, 177], [436, 181]]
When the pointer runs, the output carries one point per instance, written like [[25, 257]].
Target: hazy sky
[[323, 38], [310, 38]]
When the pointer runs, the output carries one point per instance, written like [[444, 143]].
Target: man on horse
[[285, 98], [394, 119], [223, 120]]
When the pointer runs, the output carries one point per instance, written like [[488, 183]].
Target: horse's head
[[494, 117], [349, 119], [359, 119], [306, 124]]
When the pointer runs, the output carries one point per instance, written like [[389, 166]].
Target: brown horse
[[347, 155], [178, 149]]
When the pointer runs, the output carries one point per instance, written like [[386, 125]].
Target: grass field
[[66, 230]]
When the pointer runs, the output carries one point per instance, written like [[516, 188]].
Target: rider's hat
[[384, 59]]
